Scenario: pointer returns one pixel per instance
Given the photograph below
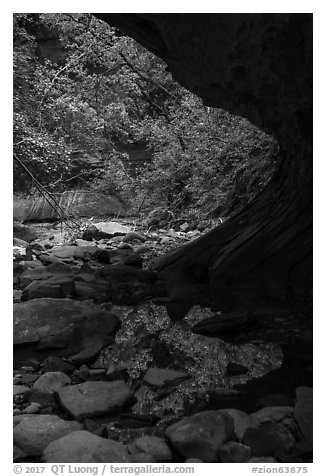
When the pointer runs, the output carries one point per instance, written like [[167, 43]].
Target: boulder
[[158, 217], [19, 389], [273, 414], [18, 454], [264, 459], [55, 364], [142, 458], [268, 439], [44, 399], [153, 445], [201, 435], [36, 273], [86, 400], [34, 407], [50, 382], [133, 236], [21, 243], [233, 452], [23, 232], [85, 447], [61, 327], [275, 400], [34, 434], [241, 421], [112, 228], [54, 287]]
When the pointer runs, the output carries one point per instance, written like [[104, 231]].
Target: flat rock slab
[[85, 447], [90, 399], [69, 253], [112, 228], [45, 272], [34, 434], [54, 287], [201, 435], [164, 377], [61, 327]]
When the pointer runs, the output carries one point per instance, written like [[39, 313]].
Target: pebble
[[84, 373]]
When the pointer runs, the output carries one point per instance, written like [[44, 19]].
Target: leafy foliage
[[85, 94]]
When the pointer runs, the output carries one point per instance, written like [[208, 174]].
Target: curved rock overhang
[[258, 66]]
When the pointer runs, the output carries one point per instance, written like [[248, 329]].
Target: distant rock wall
[[80, 203]]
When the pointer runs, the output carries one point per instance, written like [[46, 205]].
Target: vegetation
[[93, 109]]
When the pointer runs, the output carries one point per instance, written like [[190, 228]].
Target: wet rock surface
[[102, 360]]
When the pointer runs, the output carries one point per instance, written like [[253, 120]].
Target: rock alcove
[[258, 66]]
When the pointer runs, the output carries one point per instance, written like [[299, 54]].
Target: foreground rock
[[85, 447], [268, 439], [62, 327], [201, 435], [89, 399], [152, 445], [241, 421], [273, 414], [33, 434], [233, 452], [51, 382]]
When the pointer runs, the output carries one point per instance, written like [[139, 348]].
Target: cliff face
[[258, 66]]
